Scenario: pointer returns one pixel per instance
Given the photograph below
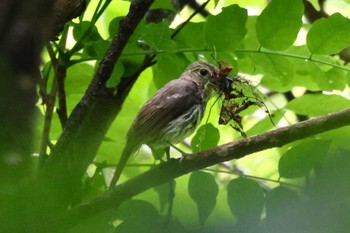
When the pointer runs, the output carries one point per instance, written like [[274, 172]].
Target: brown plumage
[[172, 114]]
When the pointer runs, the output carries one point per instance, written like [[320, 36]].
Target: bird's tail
[[127, 152]]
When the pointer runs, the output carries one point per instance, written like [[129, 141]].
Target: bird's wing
[[170, 102]]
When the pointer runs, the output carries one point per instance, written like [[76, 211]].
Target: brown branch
[[234, 150], [62, 103], [92, 117]]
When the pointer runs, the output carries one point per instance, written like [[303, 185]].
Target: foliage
[[297, 65]]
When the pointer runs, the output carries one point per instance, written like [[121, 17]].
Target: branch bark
[[234, 150], [77, 146]]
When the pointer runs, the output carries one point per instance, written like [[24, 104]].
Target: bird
[[172, 114]]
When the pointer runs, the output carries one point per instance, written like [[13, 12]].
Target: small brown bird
[[172, 114]]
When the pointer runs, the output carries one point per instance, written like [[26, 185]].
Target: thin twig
[[50, 104], [189, 19]]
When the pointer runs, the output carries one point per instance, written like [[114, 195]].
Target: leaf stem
[[276, 53]]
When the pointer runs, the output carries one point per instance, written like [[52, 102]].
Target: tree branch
[[92, 117], [234, 150]]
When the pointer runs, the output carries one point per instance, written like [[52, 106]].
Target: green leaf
[[185, 38], [302, 158], [250, 40], [278, 71], [333, 79], [246, 200], [265, 124], [207, 137], [169, 67], [318, 104], [157, 36], [138, 216], [226, 30], [80, 29], [96, 49], [113, 26], [163, 193], [278, 25], [203, 190], [283, 206], [118, 71], [78, 78], [329, 35]]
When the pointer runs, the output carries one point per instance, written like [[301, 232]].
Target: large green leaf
[[186, 38], [168, 67], [246, 200], [78, 78], [207, 137], [333, 79], [278, 71], [142, 216], [318, 104], [266, 124], [278, 25], [301, 158], [226, 30], [329, 36], [82, 28], [283, 208], [203, 190], [157, 36]]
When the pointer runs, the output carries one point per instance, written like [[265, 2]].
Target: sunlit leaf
[[226, 30], [318, 104], [279, 23], [329, 35], [207, 136], [267, 123]]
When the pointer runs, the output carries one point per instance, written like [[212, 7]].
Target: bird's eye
[[203, 72]]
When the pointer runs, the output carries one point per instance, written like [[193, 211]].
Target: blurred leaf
[[94, 186], [318, 104], [157, 36], [137, 210], [118, 72], [97, 223], [246, 200], [278, 25], [80, 29], [78, 78], [138, 216], [207, 136], [283, 208], [329, 35], [113, 26], [334, 79], [226, 30], [185, 38], [96, 49], [278, 71], [302, 158], [251, 40], [203, 190], [163, 193], [168, 67], [142, 217], [265, 124]]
